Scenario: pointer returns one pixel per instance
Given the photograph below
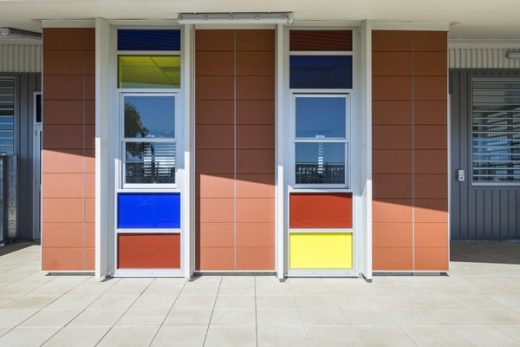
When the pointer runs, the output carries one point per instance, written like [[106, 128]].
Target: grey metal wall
[[26, 84], [482, 58], [477, 212]]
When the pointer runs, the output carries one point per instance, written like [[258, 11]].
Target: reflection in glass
[[320, 163], [142, 71], [150, 162], [149, 117], [319, 117]]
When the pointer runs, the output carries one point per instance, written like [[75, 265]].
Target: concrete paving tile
[[77, 337], [27, 337], [11, 318], [117, 303], [149, 302], [507, 301], [278, 318], [239, 318], [146, 318], [193, 317], [360, 318], [184, 336], [434, 337], [357, 302], [384, 337], [235, 303], [332, 337], [315, 301], [281, 336], [485, 336], [276, 303], [511, 330], [30, 302], [231, 337], [322, 317], [91, 317], [128, 336], [49, 319], [397, 302], [71, 302], [186, 302]]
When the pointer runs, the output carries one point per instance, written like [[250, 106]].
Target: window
[[149, 71], [496, 131], [149, 139], [321, 143]]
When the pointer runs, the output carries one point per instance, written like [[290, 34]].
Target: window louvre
[[496, 130]]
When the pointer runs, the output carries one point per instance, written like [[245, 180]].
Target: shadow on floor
[[493, 252], [13, 247]]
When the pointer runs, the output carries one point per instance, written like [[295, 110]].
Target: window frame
[[347, 142], [123, 141]]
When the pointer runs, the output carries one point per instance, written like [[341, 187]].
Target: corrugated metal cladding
[[482, 58], [20, 56]]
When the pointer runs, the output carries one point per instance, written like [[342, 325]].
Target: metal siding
[[477, 212], [481, 58], [20, 57]]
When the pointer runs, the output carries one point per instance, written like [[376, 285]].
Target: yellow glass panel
[[320, 251], [149, 71]]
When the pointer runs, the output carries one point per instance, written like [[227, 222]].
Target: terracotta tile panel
[[149, 251], [431, 210], [431, 186], [62, 186], [434, 259], [216, 210], [392, 64], [431, 41], [431, 137], [90, 62], [391, 137], [63, 63], [255, 63], [215, 136], [90, 137], [215, 161], [62, 234], [255, 234], [431, 63], [433, 161], [392, 88], [392, 40], [255, 186], [392, 161], [392, 211], [90, 112], [217, 63], [90, 185], [214, 40], [255, 111], [254, 210], [392, 186], [62, 211], [255, 40], [215, 258], [214, 88], [90, 87], [63, 87], [320, 40], [89, 235], [214, 112], [63, 137], [431, 112], [89, 259], [64, 39], [64, 112], [62, 259], [89, 160], [392, 235], [255, 161], [255, 87], [392, 259], [215, 235], [213, 186], [324, 210], [255, 136], [431, 88], [392, 112], [90, 39], [62, 161], [431, 235], [90, 210], [255, 258]]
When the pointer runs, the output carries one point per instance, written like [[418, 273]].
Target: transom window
[[496, 131]]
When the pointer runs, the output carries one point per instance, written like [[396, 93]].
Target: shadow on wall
[[491, 252]]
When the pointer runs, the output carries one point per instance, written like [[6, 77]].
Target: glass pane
[[320, 163], [150, 162], [321, 72], [320, 117], [149, 116], [148, 40], [144, 71]]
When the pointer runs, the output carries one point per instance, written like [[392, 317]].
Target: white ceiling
[[483, 19]]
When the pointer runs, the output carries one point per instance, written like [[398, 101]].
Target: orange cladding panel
[[149, 251], [309, 210]]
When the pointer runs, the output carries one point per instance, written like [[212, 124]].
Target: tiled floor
[[477, 305]]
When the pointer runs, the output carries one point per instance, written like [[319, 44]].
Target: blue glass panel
[[320, 163], [320, 117], [148, 210], [320, 72], [148, 40]]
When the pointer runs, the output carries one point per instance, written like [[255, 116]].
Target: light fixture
[[513, 54], [8, 32], [237, 18]]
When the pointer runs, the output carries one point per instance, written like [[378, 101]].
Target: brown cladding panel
[[320, 40], [214, 40], [148, 251], [255, 40], [68, 149]]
